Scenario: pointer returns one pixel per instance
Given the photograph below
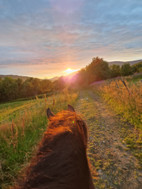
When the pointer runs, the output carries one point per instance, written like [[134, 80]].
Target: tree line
[[11, 89], [98, 69]]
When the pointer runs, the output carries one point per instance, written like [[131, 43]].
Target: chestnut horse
[[61, 160]]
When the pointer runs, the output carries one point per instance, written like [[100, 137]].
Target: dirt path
[[115, 166]]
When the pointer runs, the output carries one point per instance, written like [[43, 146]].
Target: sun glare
[[68, 71]]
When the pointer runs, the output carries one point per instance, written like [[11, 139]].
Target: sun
[[68, 71]]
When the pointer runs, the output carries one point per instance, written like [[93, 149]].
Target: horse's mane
[[61, 160]]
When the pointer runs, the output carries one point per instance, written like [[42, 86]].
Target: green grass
[[12, 110], [19, 138]]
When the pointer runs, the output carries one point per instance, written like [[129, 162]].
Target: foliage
[[137, 67], [11, 89], [59, 84], [82, 78], [115, 70], [98, 70], [126, 69]]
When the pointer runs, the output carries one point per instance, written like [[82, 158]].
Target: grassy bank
[[20, 134]]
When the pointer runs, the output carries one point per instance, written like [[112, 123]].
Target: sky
[[43, 38]]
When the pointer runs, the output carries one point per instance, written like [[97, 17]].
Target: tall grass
[[125, 98], [19, 137]]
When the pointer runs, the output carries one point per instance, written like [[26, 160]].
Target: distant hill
[[122, 62], [69, 76], [15, 77], [54, 79]]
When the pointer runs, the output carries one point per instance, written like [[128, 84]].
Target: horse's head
[[70, 120]]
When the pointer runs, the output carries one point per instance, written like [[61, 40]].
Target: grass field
[[22, 126]]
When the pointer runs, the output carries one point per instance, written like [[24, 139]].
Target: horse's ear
[[70, 108], [49, 113]]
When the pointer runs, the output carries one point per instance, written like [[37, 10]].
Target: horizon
[[64, 72], [44, 38]]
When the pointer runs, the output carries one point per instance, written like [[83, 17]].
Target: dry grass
[[125, 98]]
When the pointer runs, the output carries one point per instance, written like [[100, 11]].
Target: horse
[[61, 159]]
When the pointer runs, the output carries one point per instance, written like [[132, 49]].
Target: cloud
[[51, 32]]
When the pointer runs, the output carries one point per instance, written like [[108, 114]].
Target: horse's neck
[[61, 162]]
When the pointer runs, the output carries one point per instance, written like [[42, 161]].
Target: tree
[[115, 70], [46, 86], [126, 69], [19, 85], [82, 79], [59, 84], [97, 70], [11, 89], [8, 89], [137, 67]]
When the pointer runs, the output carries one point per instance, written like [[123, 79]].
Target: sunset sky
[[43, 38]]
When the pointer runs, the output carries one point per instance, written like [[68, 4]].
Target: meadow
[[21, 128]]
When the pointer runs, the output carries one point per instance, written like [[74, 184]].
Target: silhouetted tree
[[97, 70]]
